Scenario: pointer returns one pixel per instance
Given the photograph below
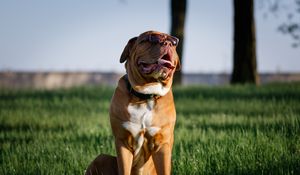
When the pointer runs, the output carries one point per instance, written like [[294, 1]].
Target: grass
[[219, 130]]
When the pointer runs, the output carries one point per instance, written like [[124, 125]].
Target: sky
[[77, 35]]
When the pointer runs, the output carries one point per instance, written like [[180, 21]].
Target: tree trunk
[[178, 9], [244, 61]]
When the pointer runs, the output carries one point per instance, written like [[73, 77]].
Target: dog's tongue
[[166, 63], [162, 63]]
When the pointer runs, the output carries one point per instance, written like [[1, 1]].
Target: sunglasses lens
[[174, 40], [155, 38]]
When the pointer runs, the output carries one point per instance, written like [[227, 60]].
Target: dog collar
[[138, 94]]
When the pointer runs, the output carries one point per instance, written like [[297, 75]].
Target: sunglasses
[[161, 38]]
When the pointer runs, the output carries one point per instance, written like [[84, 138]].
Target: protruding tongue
[[166, 63]]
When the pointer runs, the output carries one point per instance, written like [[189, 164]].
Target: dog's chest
[[140, 122]]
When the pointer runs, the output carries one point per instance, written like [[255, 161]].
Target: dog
[[142, 111]]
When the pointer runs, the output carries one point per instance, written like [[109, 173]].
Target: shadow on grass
[[286, 129], [246, 92], [92, 93], [26, 127]]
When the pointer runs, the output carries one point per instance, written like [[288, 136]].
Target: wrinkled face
[[153, 54]]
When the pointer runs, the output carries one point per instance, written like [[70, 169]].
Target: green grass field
[[219, 130]]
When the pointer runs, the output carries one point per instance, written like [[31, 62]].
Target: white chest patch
[[140, 122], [157, 89]]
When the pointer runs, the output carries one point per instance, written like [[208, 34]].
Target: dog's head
[[151, 60]]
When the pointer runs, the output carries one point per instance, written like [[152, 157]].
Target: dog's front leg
[[124, 157], [162, 160]]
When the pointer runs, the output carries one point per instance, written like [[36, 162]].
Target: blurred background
[[50, 44]]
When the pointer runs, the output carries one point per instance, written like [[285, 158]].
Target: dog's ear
[[178, 66], [126, 52]]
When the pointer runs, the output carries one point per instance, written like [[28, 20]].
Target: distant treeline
[[54, 80]]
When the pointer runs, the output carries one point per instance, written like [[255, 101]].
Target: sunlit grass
[[219, 130]]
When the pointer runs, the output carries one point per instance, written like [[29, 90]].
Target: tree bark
[[244, 61], [178, 10]]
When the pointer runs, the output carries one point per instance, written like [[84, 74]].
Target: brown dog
[[142, 111]]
